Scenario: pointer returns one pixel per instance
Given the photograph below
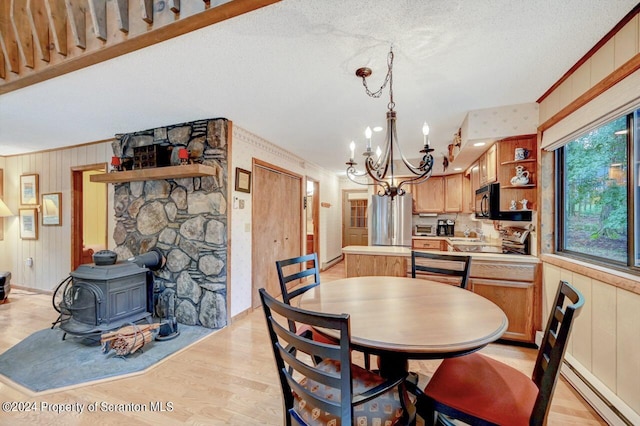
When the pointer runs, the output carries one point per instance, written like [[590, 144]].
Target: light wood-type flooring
[[227, 378]]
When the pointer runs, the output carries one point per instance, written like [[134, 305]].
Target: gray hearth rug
[[43, 361]]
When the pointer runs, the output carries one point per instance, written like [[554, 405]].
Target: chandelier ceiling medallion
[[380, 168]]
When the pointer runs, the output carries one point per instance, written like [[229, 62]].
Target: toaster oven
[[424, 230]]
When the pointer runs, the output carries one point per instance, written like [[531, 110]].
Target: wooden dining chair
[[319, 394], [447, 265], [480, 390], [291, 270]]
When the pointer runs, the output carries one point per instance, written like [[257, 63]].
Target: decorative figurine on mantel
[[524, 204], [116, 165], [183, 155], [512, 205]]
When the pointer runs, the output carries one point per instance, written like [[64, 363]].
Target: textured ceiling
[[286, 73]]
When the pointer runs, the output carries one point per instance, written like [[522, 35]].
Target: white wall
[[245, 147], [51, 252]]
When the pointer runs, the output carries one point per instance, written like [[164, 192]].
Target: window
[[358, 213], [597, 213]]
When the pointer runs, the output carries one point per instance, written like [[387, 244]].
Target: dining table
[[400, 318]]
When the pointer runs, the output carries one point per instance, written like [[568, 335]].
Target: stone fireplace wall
[[185, 218]]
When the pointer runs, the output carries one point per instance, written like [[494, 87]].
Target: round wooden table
[[403, 318]]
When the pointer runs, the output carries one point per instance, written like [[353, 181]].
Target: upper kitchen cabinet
[[517, 172], [471, 182], [488, 168], [428, 196], [439, 194], [453, 195]]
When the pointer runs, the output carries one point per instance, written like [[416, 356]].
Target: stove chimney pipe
[[153, 259]]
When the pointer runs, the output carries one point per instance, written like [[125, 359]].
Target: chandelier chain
[[387, 80]]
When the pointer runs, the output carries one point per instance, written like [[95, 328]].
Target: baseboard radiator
[[612, 409], [330, 263]]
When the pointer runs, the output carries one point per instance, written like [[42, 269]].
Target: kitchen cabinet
[[453, 193], [507, 170], [487, 164], [473, 174], [361, 261], [515, 288], [428, 196], [431, 244]]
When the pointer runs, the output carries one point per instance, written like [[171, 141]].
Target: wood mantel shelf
[[157, 173]]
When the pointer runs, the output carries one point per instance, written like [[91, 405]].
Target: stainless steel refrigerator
[[391, 220]]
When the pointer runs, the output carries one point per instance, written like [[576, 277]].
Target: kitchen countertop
[[406, 251]]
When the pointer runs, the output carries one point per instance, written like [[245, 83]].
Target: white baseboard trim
[[330, 263], [612, 409]]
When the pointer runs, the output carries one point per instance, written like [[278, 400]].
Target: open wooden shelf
[[528, 160], [156, 173]]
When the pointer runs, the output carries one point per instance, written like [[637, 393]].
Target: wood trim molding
[[612, 277], [631, 66]]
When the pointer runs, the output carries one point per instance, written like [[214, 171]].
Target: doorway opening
[[312, 205], [88, 214], [355, 218]]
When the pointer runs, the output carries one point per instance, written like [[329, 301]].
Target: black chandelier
[[381, 167]]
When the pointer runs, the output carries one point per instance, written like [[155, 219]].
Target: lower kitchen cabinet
[[514, 287], [422, 244], [515, 299], [362, 265]]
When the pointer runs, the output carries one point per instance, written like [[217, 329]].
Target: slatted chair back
[[324, 390], [291, 270], [441, 264], [567, 306]]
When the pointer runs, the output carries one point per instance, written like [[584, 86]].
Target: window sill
[[623, 280]]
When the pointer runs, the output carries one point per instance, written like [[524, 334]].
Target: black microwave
[[487, 205]]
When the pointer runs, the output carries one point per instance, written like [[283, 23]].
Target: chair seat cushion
[[384, 410], [484, 388]]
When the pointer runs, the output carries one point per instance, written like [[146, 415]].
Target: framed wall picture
[[29, 224], [29, 189], [243, 180], [52, 209]]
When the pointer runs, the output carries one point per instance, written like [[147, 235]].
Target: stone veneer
[[185, 218]]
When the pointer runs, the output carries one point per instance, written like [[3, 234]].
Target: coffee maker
[[445, 227]]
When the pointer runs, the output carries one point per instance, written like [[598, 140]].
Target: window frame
[[632, 213]]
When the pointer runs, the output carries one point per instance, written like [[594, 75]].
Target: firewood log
[[128, 339]]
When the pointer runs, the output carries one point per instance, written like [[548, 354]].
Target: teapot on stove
[[521, 177]]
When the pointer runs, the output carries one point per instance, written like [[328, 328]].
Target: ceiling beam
[[76, 9], [40, 26]]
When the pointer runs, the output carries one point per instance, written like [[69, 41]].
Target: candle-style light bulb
[[352, 146], [425, 134], [378, 153], [367, 134]]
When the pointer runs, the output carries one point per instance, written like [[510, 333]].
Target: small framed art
[[52, 209], [243, 180], [29, 224], [29, 189]]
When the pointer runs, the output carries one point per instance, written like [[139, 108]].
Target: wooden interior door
[[276, 224], [355, 219]]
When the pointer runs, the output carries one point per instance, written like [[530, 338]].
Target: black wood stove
[[103, 297]]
